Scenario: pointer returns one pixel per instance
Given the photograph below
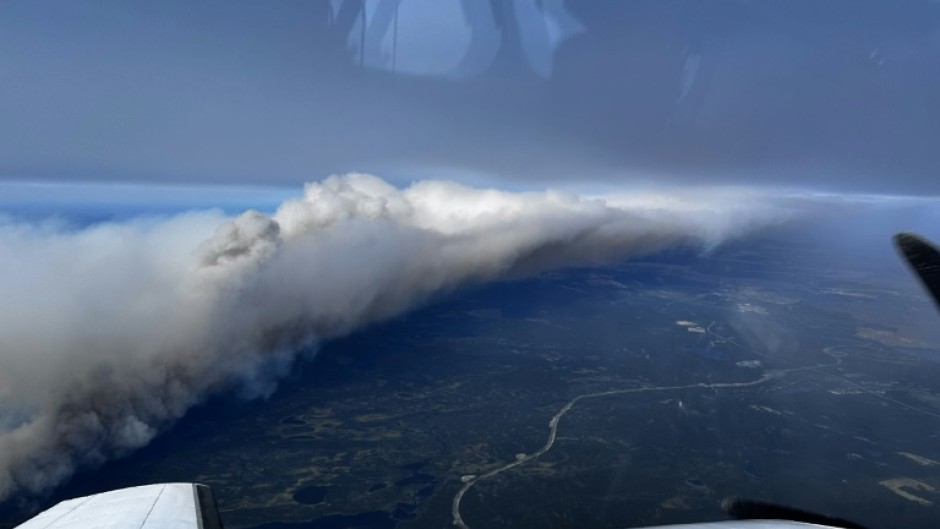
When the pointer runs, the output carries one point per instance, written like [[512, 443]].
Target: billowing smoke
[[109, 333]]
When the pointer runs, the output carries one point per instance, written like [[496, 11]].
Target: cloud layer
[[108, 334]]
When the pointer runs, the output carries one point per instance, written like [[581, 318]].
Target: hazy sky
[[837, 95]]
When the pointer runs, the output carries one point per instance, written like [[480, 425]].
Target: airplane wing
[[745, 524], [160, 506], [192, 506], [924, 259]]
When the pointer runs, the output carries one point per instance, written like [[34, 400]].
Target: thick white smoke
[[110, 333]]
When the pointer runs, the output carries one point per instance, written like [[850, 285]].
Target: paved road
[[470, 481]]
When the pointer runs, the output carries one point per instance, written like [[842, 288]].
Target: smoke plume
[[109, 333]]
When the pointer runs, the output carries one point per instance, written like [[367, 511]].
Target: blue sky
[[97, 201], [837, 96]]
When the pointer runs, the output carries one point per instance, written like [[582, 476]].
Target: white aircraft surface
[[192, 506], [160, 506]]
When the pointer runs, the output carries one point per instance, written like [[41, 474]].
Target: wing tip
[[206, 507]]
